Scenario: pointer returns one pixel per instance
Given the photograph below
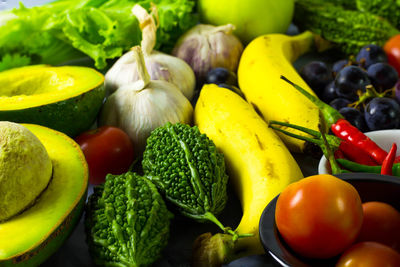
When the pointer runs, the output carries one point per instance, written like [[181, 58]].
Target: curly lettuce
[[63, 30]]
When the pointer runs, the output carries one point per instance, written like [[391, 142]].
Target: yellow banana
[[262, 63], [259, 164]]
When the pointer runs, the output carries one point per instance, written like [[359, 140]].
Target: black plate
[[371, 187]]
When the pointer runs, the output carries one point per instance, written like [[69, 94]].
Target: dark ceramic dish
[[371, 187]]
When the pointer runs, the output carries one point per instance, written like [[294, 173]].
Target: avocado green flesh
[[27, 231], [66, 99], [39, 85]]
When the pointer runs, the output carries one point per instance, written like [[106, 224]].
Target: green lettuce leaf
[[63, 30]]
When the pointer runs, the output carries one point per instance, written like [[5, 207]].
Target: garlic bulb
[[206, 46], [140, 107], [160, 66]]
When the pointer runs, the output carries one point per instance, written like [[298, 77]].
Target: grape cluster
[[364, 89]]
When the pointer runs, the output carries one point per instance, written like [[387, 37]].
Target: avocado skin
[[71, 116], [41, 253], [33, 236]]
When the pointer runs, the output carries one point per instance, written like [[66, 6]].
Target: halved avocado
[[29, 238], [66, 98]]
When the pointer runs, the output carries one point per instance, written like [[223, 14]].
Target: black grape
[[317, 75], [339, 103], [349, 81], [329, 92], [338, 65], [355, 117], [370, 54], [382, 113], [382, 75], [221, 75]]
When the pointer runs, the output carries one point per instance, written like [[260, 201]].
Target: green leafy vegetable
[[127, 222], [66, 30], [186, 166]]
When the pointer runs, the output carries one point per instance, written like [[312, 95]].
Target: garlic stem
[[148, 27], [141, 66]]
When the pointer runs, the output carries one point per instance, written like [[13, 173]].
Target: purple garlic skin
[[205, 47]]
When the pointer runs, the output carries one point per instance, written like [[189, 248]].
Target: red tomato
[[381, 224], [392, 50], [107, 150], [369, 254], [319, 216]]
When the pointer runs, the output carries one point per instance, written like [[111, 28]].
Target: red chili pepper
[[387, 164], [397, 159], [356, 154], [345, 131]]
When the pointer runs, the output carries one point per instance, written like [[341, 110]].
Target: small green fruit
[[252, 18]]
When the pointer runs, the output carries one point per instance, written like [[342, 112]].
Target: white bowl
[[384, 138]]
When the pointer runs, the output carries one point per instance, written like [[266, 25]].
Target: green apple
[[252, 18]]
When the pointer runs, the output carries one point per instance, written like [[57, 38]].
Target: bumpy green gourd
[[127, 222], [350, 29], [186, 166], [388, 9], [347, 4]]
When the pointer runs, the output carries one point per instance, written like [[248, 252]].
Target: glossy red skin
[[381, 224], [369, 254], [319, 216], [392, 50], [107, 150]]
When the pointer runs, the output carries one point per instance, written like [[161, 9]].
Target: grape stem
[[370, 92]]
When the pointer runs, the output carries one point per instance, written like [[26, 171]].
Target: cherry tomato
[[107, 150], [381, 224], [319, 216], [392, 50], [369, 254]]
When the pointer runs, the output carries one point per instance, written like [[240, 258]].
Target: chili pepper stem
[[329, 114], [332, 140], [322, 142], [335, 168]]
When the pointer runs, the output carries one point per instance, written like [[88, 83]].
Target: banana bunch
[[262, 63], [259, 165]]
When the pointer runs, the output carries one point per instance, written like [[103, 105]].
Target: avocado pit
[[25, 169]]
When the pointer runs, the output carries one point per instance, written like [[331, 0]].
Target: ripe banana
[[259, 164], [262, 63]]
